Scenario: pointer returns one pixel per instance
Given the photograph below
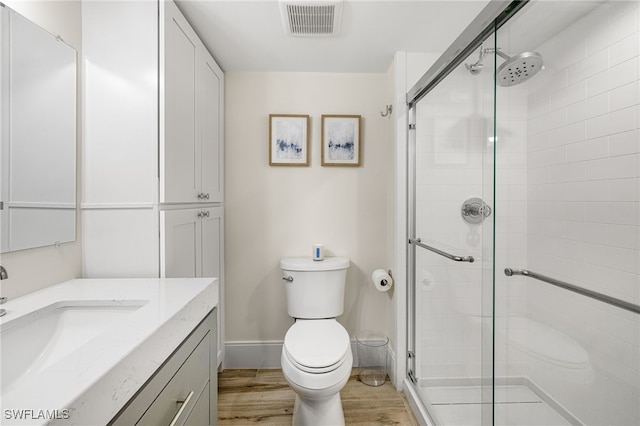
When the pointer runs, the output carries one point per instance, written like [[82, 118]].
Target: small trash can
[[372, 357]]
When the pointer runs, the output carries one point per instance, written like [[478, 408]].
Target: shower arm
[[477, 66], [497, 51]]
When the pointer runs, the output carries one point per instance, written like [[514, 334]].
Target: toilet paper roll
[[381, 280]]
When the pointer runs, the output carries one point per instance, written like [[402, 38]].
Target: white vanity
[[111, 351]]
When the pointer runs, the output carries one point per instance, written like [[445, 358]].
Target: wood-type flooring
[[248, 397]]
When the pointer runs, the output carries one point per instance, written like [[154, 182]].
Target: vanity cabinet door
[[181, 243], [210, 126], [179, 46], [192, 246], [191, 107], [212, 229], [213, 257], [191, 242]]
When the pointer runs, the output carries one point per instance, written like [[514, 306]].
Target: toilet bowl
[[316, 355], [316, 362]]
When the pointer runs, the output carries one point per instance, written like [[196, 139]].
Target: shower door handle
[[418, 242]]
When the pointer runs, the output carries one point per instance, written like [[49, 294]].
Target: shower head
[[518, 69], [515, 70]]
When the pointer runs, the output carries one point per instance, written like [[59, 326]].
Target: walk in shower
[[524, 219]]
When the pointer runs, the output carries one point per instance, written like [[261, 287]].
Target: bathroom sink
[[33, 342]]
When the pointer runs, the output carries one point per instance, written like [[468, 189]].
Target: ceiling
[[246, 35]]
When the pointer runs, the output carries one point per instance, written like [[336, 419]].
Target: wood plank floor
[[247, 397]]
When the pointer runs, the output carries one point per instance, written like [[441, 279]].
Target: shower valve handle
[[474, 210]]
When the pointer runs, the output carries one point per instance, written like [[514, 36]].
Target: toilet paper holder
[[382, 279]]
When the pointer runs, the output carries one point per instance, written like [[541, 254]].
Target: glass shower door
[[537, 179], [452, 244]]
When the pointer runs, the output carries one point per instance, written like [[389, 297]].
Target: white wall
[[276, 212], [31, 270]]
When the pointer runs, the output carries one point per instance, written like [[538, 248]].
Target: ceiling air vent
[[311, 18]]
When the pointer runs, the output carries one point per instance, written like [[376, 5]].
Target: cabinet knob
[[203, 196]]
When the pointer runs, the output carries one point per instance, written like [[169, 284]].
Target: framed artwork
[[288, 140], [341, 140]]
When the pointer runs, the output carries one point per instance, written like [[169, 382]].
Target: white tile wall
[[583, 206]]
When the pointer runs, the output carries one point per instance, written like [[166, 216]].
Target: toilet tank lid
[[308, 264]]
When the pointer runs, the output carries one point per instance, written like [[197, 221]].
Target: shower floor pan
[[519, 404]]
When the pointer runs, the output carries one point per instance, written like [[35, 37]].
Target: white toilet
[[316, 355]]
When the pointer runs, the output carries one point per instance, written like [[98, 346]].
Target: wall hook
[[388, 110]]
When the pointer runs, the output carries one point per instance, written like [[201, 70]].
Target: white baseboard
[[252, 354], [266, 354], [391, 367]]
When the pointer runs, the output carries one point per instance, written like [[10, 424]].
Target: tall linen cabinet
[[152, 187]]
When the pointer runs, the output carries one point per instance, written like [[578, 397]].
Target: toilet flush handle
[[289, 278]]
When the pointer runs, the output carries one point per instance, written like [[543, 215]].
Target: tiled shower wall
[[584, 207]]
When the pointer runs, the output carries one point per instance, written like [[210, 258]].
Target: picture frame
[[341, 145], [288, 140]]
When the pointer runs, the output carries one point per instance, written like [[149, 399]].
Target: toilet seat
[[317, 346]]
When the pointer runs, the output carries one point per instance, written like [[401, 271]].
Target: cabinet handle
[[204, 214], [203, 196], [184, 403]]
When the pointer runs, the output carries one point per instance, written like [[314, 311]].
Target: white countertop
[[95, 381]]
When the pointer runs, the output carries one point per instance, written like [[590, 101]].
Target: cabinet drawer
[[200, 414], [184, 388], [190, 368]]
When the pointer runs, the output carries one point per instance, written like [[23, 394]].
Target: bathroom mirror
[[37, 135]]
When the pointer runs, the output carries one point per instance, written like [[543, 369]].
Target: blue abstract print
[[289, 140], [341, 140]]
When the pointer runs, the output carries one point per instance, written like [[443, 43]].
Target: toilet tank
[[314, 289]]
